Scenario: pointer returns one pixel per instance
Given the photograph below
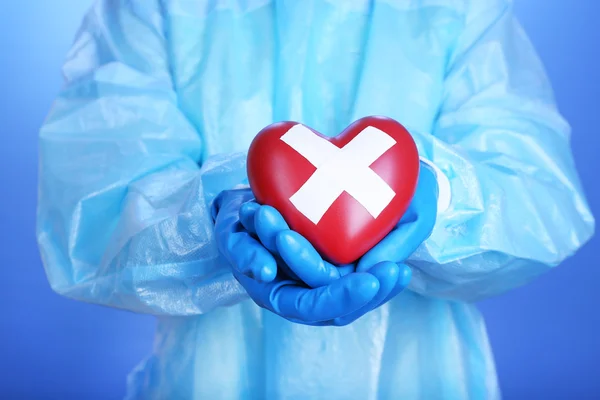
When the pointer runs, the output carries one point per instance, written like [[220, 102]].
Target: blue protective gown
[[161, 101]]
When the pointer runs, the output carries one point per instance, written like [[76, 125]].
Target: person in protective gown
[[144, 203]]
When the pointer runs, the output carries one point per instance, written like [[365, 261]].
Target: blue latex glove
[[282, 272], [413, 229]]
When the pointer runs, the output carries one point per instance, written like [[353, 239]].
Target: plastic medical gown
[[160, 104]]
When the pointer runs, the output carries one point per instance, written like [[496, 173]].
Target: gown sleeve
[[516, 206], [124, 192]]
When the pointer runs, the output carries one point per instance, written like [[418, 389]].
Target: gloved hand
[[264, 254], [413, 229]]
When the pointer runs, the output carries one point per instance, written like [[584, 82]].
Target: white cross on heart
[[340, 170]]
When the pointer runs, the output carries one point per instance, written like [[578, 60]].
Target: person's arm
[[517, 207], [123, 215]]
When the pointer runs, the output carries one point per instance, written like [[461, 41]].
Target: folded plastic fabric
[[160, 103]]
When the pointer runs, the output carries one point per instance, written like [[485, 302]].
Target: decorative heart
[[343, 194]]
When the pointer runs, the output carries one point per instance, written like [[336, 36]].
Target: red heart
[[383, 173]]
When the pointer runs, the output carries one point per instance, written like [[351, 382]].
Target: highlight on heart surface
[[342, 193]]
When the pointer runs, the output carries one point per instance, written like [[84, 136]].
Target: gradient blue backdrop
[[545, 335]]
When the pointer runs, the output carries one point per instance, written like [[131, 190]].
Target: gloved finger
[[246, 214], [346, 269], [337, 299], [268, 223], [387, 273], [229, 201], [285, 271], [293, 302], [399, 244], [404, 278], [302, 258], [256, 290], [250, 258], [409, 216]]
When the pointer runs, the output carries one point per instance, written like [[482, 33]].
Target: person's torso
[[239, 66]]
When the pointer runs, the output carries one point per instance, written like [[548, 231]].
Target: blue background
[[545, 335]]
